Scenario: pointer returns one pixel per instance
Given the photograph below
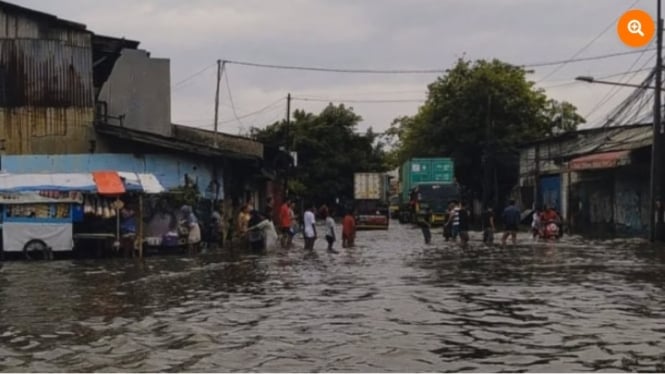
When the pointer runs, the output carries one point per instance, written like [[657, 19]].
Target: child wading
[[330, 229]]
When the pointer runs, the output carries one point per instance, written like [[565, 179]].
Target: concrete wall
[[139, 88], [631, 208], [171, 170], [611, 202]]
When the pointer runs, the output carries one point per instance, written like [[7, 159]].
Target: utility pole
[[220, 68], [658, 138], [488, 163], [287, 143]]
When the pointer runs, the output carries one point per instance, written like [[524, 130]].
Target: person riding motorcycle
[[548, 218]]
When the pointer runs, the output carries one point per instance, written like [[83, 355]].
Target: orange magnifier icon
[[636, 28]]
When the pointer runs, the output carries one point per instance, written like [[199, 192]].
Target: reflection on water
[[392, 304]]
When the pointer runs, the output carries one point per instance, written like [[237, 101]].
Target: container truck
[[427, 183], [370, 193]]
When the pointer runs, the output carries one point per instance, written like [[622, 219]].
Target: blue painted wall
[[170, 170], [550, 191]]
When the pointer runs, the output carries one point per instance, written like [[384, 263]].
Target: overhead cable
[[228, 89], [417, 71], [366, 101], [586, 46], [194, 75]]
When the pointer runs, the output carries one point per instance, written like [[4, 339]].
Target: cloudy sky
[[361, 34]]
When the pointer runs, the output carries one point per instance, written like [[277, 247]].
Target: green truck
[[427, 183]]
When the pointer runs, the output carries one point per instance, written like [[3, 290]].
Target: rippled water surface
[[391, 304]]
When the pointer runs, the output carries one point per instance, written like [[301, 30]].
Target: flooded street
[[391, 304]]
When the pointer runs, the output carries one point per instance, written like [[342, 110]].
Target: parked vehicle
[[427, 183], [371, 200]]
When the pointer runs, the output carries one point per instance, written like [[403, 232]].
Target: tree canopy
[[329, 151], [479, 113]]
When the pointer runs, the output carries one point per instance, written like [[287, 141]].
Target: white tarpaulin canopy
[[43, 182], [147, 183]]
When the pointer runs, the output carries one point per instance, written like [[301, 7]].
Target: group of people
[[287, 226], [456, 223]]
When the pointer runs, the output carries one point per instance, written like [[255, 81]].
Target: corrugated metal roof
[[614, 139], [45, 73], [44, 17]]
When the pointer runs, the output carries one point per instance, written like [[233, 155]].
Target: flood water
[[391, 304]]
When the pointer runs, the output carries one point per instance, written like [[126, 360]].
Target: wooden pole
[[140, 228], [117, 224]]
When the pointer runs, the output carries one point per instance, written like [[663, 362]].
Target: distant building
[[598, 178]]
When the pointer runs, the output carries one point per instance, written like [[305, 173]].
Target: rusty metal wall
[[45, 73], [33, 130], [46, 85], [15, 25]]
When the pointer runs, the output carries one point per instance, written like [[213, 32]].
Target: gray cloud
[[360, 34]]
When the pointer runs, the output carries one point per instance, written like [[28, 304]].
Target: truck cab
[[437, 196]]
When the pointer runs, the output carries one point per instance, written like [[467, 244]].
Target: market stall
[[46, 213], [38, 211]]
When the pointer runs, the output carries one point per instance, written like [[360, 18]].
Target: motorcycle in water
[[550, 231]]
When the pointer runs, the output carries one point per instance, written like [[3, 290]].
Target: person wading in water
[[511, 219]]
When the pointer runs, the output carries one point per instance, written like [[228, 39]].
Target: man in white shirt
[[310, 228]]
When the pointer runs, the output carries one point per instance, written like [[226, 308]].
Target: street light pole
[[594, 80], [658, 135]]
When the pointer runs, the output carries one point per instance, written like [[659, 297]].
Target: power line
[[582, 59], [626, 72], [423, 71], [585, 47], [228, 89], [571, 82], [616, 89], [193, 75], [366, 101], [317, 94], [337, 70], [264, 109]]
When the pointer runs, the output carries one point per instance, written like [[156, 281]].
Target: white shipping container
[[368, 186]]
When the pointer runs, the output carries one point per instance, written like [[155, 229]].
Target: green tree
[[479, 113], [329, 151]]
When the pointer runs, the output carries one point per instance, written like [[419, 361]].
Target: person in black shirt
[[425, 223], [464, 224], [488, 226]]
